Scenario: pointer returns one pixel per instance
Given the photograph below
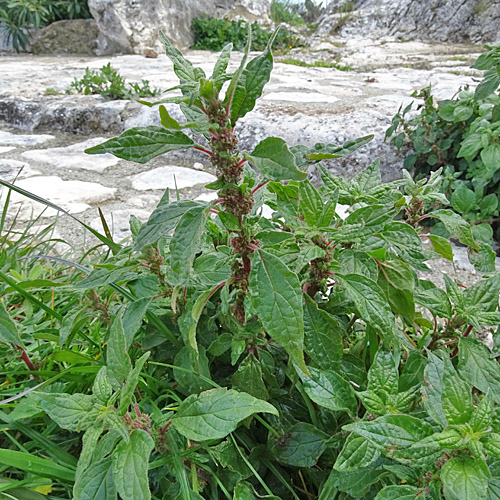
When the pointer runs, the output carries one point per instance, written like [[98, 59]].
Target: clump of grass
[[316, 64]]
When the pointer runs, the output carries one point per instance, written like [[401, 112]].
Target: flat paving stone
[[73, 157], [170, 176], [119, 222], [9, 169], [72, 196], [8, 139], [6, 149]]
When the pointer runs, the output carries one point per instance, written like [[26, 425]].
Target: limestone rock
[[119, 222], [467, 21], [7, 138], [73, 196], [74, 36], [73, 156], [170, 176], [131, 26]]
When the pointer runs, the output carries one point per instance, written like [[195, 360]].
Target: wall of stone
[[458, 21], [132, 26]]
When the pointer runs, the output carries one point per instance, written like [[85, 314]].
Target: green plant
[[223, 354], [213, 34], [315, 64], [21, 16], [460, 135], [283, 11], [111, 85]]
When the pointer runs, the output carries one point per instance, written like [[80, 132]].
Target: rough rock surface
[[75, 36], [132, 26], [476, 21]]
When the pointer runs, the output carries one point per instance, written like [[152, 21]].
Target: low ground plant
[[211, 33], [460, 135], [222, 354], [22, 16], [111, 85]]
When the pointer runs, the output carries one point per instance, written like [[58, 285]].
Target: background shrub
[[212, 34], [20, 16], [460, 135]]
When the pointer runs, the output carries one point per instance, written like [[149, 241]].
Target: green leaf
[[142, 144], [301, 446], [248, 378], [251, 84], [275, 161], [397, 281], [163, 219], [219, 72], [490, 82], [328, 151], [491, 158], [166, 120], [398, 492], [96, 483], [117, 359], [456, 396], [310, 202], [356, 453], [322, 335], [102, 277], [491, 444], [102, 388], [432, 390], [476, 366], [133, 316], [8, 329], [214, 414], [186, 242], [130, 466], [383, 374], [463, 199], [464, 478], [483, 295], [483, 414], [131, 383], [182, 67], [277, 298], [71, 411], [442, 246], [328, 389], [372, 402], [392, 431], [370, 302], [456, 226]]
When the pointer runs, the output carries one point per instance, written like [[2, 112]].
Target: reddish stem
[[214, 211], [24, 356], [246, 264], [203, 150], [241, 163], [259, 186], [137, 411], [216, 202]]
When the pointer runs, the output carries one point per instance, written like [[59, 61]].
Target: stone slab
[[8, 139], [170, 176], [73, 196], [73, 156]]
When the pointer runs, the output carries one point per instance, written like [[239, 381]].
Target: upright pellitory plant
[[235, 356]]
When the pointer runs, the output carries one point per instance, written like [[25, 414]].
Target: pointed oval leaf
[[277, 299], [130, 466], [141, 144], [275, 161], [357, 452], [214, 414], [464, 478], [8, 329], [329, 389]]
